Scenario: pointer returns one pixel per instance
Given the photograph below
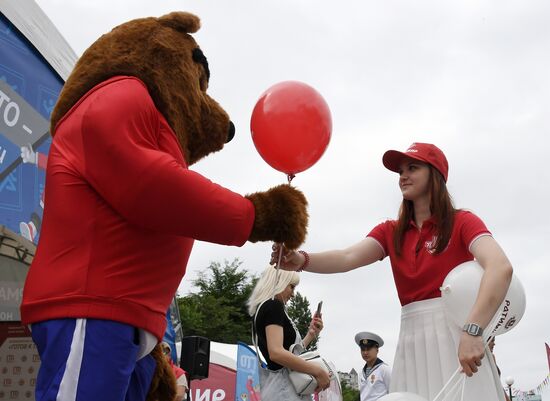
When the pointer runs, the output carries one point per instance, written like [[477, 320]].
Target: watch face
[[473, 329]]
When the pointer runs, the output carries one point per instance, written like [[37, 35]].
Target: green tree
[[299, 312], [217, 310], [349, 394]]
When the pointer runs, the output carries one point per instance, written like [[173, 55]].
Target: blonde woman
[[276, 333]]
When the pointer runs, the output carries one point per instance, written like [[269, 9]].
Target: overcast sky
[[471, 76]]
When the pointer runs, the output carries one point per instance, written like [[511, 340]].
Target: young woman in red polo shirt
[[429, 238]]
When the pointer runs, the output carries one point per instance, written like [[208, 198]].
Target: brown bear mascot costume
[[123, 209]]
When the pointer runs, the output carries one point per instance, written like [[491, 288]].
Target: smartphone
[[319, 306]]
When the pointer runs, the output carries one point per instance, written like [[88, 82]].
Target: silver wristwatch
[[473, 329]]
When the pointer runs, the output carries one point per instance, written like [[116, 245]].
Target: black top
[[273, 312]]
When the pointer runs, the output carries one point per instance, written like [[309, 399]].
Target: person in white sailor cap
[[375, 375]]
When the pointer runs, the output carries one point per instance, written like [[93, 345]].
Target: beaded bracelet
[[306, 261]]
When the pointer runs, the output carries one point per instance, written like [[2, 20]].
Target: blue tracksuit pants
[[90, 360]]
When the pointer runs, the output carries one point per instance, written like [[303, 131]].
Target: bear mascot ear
[[181, 21]]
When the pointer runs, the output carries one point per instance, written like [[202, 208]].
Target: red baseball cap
[[425, 152]]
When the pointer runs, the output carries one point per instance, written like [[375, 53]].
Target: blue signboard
[[29, 88], [247, 386]]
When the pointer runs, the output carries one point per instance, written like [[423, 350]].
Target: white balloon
[[511, 310], [459, 293], [402, 396]]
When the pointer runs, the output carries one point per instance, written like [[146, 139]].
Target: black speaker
[[195, 356]]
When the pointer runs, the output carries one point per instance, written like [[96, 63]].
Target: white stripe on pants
[[69, 382]]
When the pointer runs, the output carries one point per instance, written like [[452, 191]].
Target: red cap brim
[[392, 159]]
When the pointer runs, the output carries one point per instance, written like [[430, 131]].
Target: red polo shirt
[[418, 272]]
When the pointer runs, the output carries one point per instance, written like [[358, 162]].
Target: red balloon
[[291, 126]]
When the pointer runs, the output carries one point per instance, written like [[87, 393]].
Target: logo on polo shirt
[[430, 245]]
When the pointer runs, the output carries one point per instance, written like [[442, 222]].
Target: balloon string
[[278, 269], [280, 257], [457, 377], [289, 177], [454, 388], [450, 383]]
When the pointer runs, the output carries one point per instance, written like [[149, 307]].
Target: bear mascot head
[[162, 54], [122, 208]]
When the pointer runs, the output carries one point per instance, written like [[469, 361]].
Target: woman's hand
[[471, 351], [290, 260], [323, 379], [316, 325]]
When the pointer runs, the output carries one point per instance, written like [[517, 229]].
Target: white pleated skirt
[[426, 358]]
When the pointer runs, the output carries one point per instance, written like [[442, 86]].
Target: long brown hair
[[441, 207]]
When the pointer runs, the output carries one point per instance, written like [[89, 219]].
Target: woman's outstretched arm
[[362, 253]]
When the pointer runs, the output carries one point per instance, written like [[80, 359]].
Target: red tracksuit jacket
[[121, 213]]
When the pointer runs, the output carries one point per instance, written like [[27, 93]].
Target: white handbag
[[304, 383]]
